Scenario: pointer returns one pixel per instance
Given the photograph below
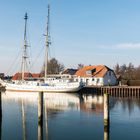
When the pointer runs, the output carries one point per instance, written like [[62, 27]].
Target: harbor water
[[68, 116]]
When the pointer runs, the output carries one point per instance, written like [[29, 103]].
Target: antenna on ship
[[48, 42], [24, 55]]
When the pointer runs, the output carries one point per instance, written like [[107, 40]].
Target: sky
[[91, 32]]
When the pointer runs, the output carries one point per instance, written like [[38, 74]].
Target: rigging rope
[[35, 61], [14, 62]]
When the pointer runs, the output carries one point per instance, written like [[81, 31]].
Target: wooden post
[[106, 109], [46, 118], [40, 116], [106, 133], [0, 115], [0, 105], [106, 116]]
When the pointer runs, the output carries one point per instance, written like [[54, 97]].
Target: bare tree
[[117, 69], [137, 73], [128, 72], [54, 67]]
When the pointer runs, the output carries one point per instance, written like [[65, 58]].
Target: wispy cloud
[[128, 46], [124, 46]]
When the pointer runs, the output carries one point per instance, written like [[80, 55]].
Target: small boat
[[39, 86]]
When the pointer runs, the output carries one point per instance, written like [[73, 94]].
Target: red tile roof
[[18, 75], [97, 71], [36, 75]]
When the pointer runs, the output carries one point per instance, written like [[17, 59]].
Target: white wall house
[[99, 75]]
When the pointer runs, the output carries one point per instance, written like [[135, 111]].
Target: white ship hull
[[34, 88]]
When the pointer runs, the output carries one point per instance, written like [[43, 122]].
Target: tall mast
[[24, 55], [47, 42]]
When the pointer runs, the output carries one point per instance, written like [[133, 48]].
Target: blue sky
[[82, 31]]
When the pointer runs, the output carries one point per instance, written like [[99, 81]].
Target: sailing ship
[[58, 85]]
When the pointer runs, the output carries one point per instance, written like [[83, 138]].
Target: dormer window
[[94, 70], [89, 72]]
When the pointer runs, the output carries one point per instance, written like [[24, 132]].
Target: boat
[[58, 85], [28, 87]]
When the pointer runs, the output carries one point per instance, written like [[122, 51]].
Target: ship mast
[[47, 43], [24, 55]]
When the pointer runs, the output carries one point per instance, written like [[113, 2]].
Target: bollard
[[40, 116]]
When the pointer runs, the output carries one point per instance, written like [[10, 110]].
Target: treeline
[[127, 72]]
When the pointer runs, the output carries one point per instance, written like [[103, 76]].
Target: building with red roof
[[99, 75], [27, 75], [18, 76]]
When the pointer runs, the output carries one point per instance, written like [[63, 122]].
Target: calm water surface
[[68, 117]]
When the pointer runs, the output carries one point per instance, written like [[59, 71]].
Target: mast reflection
[[23, 120]]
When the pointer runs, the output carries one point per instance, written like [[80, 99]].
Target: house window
[[92, 79], [98, 81], [88, 72]]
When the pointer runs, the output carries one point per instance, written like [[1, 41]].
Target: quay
[[117, 91]]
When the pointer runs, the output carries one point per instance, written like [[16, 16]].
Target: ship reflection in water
[[66, 116]]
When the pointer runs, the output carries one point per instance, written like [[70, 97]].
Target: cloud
[[128, 46], [124, 46]]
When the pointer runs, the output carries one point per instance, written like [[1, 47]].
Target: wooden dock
[[118, 91]]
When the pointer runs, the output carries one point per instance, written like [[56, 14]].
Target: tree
[[54, 67], [130, 71], [123, 69], [117, 69], [137, 73], [127, 72]]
